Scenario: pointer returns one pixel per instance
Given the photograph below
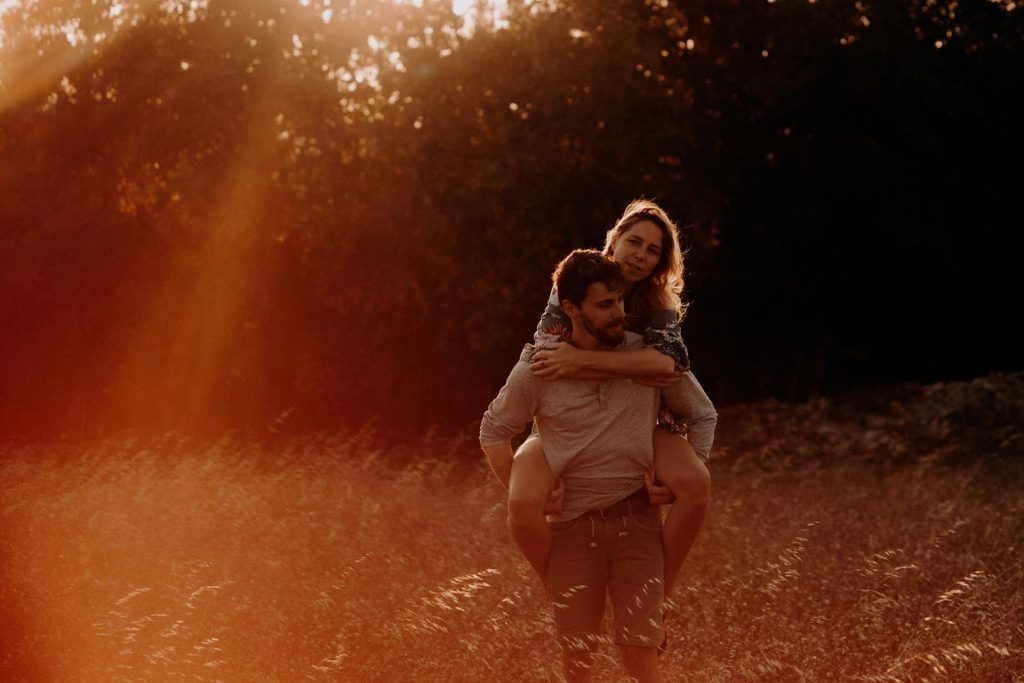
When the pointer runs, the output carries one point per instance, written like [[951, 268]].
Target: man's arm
[[688, 400], [507, 415], [499, 457]]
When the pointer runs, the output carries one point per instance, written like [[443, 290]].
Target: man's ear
[[569, 308]]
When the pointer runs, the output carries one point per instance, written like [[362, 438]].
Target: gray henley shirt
[[597, 434]]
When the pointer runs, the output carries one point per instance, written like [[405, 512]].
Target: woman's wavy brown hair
[[662, 289]]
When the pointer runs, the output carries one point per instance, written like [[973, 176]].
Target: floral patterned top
[[662, 332]]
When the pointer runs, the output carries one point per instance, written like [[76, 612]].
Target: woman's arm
[[665, 334], [664, 357], [562, 359]]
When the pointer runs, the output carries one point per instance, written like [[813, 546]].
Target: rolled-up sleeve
[[689, 404], [665, 334], [512, 409]]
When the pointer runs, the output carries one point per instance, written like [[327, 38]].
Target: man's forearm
[[701, 434], [499, 457], [688, 401]]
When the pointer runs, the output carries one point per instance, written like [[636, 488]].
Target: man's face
[[603, 315]]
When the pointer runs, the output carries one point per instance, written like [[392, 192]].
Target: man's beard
[[610, 334]]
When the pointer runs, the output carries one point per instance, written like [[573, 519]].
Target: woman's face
[[639, 250]]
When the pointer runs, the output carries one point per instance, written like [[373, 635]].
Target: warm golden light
[[264, 263]]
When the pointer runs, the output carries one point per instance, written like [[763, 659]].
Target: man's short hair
[[580, 269]]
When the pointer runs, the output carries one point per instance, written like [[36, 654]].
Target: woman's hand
[[560, 359]]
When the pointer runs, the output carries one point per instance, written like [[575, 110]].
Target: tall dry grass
[[344, 560]]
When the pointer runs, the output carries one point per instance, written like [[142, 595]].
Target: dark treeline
[[292, 216]]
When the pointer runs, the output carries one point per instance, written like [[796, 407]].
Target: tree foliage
[[293, 215]]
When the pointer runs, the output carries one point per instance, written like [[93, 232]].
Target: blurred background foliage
[[290, 216]]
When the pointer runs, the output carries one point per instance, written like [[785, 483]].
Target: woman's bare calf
[[678, 468]]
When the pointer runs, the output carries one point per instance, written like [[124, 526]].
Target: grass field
[[874, 537]]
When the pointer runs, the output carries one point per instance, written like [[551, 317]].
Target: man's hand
[[659, 381], [553, 506], [560, 359], [656, 493]]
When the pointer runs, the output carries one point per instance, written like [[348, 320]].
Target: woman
[[646, 242]]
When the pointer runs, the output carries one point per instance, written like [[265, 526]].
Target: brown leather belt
[[635, 502]]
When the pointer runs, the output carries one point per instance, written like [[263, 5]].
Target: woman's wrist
[[590, 360], [586, 360]]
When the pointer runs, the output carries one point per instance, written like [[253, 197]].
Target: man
[[597, 437]]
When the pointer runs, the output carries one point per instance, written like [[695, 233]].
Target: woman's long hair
[[661, 290]]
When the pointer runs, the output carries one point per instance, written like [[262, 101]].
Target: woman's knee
[[687, 479], [693, 487], [697, 485], [524, 507]]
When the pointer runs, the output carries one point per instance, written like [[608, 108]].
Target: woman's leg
[[678, 467], [529, 484]]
